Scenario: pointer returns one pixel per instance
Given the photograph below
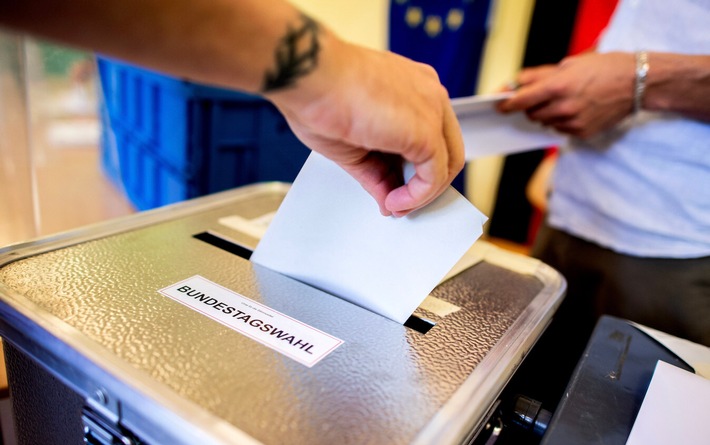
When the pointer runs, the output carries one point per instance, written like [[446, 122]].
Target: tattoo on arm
[[296, 55]]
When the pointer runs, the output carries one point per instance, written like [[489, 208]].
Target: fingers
[[454, 142], [526, 97], [534, 74], [379, 174], [434, 174], [532, 90], [428, 182]]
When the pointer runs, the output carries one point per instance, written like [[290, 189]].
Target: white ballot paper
[[329, 233], [694, 354], [487, 132], [674, 410]]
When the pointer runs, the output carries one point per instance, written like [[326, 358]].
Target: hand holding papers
[[330, 234], [487, 132]]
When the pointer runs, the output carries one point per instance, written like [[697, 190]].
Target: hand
[[582, 95], [370, 111]]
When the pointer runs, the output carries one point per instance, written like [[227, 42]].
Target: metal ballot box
[[97, 353]]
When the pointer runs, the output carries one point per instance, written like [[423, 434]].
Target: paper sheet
[[487, 132], [329, 233], [674, 410], [694, 354]]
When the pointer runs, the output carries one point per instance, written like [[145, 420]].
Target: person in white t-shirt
[[628, 220]]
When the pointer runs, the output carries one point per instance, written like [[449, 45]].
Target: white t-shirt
[[643, 189]]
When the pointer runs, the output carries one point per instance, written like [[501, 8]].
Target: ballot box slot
[[419, 324], [414, 322], [225, 244]]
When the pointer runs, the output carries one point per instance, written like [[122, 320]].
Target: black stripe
[[223, 244]]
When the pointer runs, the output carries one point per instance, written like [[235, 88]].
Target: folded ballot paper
[[487, 132], [329, 233], [674, 410]]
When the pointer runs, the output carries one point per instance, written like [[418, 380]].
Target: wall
[[358, 21], [502, 59], [17, 186]]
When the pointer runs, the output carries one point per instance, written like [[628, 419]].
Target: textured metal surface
[[383, 385], [491, 299]]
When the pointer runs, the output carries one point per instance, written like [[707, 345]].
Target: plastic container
[[165, 140]]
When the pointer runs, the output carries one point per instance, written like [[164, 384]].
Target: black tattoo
[[296, 55]]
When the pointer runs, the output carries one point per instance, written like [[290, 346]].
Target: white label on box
[[255, 227], [305, 344]]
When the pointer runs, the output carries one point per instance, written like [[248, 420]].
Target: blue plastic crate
[[166, 140]]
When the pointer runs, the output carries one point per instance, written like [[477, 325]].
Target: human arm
[[367, 110], [586, 94]]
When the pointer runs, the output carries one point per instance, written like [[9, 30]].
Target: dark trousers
[[670, 295]]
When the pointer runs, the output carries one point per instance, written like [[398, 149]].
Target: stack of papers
[[487, 132]]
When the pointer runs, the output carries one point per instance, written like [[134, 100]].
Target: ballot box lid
[[87, 305]]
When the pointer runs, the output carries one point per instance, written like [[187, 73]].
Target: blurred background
[[84, 138]]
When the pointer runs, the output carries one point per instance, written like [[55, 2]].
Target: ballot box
[[157, 329], [607, 388]]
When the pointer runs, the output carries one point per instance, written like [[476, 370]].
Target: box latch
[[100, 431]]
